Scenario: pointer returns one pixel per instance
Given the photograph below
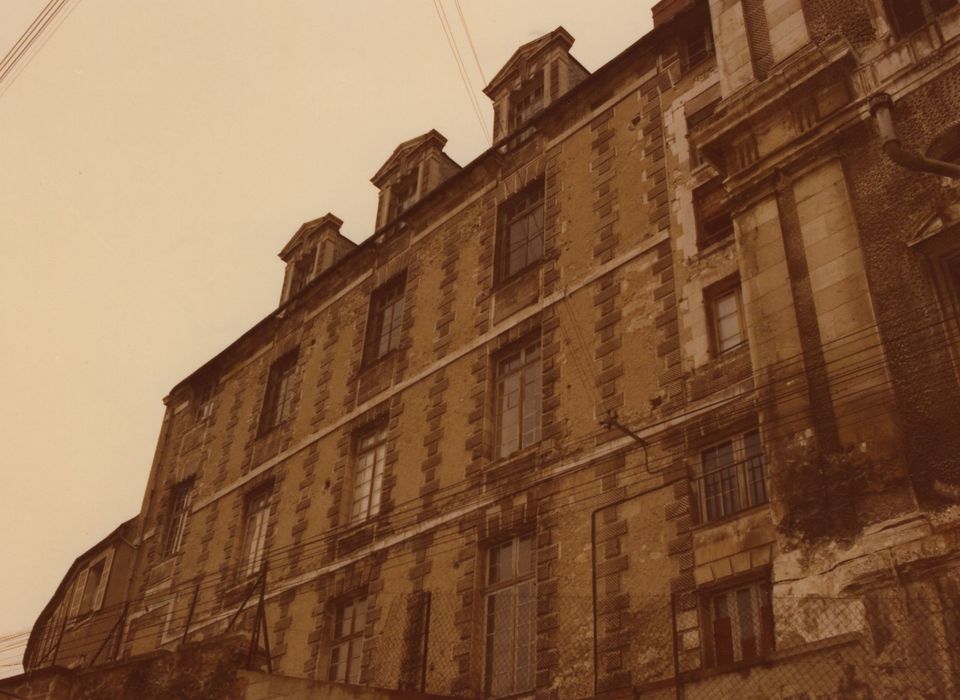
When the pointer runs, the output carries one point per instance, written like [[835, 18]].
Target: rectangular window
[[403, 194], [520, 232], [725, 313], [302, 271], [256, 512], [741, 624], [910, 15], [733, 477], [346, 651], [714, 222], [177, 517], [518, 392], [90, 586], [694, 121], [370, 456], [511, 608], [526, 102], [204, 401], [279, 398], [696, 45], [385, 319]]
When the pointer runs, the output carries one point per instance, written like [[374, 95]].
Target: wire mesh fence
[[741, 644]]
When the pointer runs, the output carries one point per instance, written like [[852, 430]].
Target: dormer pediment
[[525, 57], [414, 168], [315, 246], [536, 75]]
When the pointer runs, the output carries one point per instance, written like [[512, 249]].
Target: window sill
[[369, 364], [710, 248], [522, 273], [528, 457], [727, 519]]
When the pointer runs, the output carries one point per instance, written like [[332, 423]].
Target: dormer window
[[314, 248], [403, 195], [526, 102], [302, 271], [537, 75], [416, 168]]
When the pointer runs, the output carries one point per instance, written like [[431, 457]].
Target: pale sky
[[154, 158]]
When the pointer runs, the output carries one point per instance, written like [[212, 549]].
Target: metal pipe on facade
[[881, 107], [593, 572]]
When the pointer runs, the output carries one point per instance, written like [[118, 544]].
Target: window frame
[[389, 296], [712, 297], [690, 61], [86, 600], [352, 642], [377, 450], [279, 396], [521, 109], [503, 588], [707, 211], [760, 594], [527, 365], [522, 206], [743, 467], [926, 8], [253, 547], [701, 116], [178, 511]]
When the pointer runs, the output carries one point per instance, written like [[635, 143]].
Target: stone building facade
[[656, 396]]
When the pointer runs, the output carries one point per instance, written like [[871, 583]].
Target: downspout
[[881, 106], [593, 575]]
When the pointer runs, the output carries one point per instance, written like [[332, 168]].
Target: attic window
[[526, 102], [302, 270], [403, 195]]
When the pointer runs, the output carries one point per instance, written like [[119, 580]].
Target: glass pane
[[337, 669], [524, 555], [526, 637]]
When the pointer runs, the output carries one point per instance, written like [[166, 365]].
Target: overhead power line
[[473, 48], [37, 29], [461, 67]]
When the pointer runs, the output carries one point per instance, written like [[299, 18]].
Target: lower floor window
[[741, 623], [511, 638], [347, 645]]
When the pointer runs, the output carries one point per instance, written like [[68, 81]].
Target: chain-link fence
[[740, 642]]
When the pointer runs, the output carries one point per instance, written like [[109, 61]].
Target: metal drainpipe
[[881, 106], [593, 573]]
